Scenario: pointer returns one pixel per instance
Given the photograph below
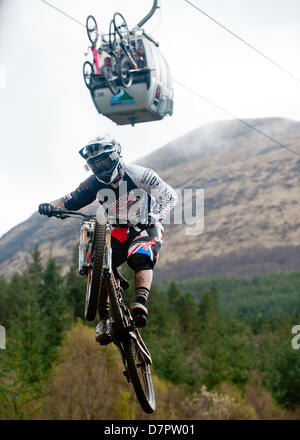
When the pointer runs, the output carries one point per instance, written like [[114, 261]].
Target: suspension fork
[[107, 262]]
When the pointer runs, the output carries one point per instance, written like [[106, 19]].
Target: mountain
[[251, 205]]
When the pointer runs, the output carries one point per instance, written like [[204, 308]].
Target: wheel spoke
[[140, 375], [92, 29]]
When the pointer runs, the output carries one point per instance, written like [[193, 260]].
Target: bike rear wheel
[[95, 273], [140, 375], [136, 365]]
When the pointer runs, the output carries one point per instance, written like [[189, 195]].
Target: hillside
[[251, 189]]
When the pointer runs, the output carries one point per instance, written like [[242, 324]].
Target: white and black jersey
[[124, 199]]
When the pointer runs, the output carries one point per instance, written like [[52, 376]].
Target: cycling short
[[127, 242]]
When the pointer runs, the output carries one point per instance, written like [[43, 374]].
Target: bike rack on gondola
[[129, 80]]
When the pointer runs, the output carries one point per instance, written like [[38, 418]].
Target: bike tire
[[122, 34], [138, 368], [140, 375], [92, 29], [88, 72], [125, 74], [95, 274], [112, 35]]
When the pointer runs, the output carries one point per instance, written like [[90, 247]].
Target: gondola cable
[[235, 117], [243, 41], [200, 96], [64, 13]]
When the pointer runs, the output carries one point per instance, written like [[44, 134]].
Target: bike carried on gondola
[[122, 56], [128, 77]]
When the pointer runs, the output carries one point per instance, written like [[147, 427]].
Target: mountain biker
[[122, 190]]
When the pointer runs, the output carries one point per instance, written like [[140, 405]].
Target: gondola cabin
[[148, 98]]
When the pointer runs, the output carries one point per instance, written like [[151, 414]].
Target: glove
[[46, 209], [150, 223]]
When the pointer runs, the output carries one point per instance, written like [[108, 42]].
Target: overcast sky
[[47, 113]]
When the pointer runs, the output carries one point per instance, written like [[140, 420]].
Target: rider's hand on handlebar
[[46, 209]]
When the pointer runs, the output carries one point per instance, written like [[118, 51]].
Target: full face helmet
[[103, 156]]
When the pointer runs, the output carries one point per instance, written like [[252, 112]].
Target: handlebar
[[65, 213]]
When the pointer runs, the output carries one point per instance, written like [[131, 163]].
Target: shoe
[[103, 332], [139, 314]]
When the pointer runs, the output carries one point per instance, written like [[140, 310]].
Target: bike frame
[[109, 274], [96, 58]]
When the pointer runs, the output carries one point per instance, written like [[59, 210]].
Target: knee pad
[[139, 262]]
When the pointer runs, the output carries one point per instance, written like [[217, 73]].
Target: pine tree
[[23, 365], [54, 308], [4, 301], [26, 330], [75, 288], [222, 344], [212, 361]]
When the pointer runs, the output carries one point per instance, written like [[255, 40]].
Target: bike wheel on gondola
[[121, 26], [125, 74], [95, 273], [92, 29], [88, 72], [140, 374], [136, 364], [111, 79]]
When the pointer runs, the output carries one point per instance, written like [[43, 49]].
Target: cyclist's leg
[[143, 254], [119, 253]]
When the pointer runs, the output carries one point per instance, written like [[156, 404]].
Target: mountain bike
[[120, 61], [122, 53], [95, 261]]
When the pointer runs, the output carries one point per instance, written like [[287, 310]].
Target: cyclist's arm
[[82, 196], [164, 195], [59, 203]]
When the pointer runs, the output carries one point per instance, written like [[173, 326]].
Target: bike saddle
[[123, 282]]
